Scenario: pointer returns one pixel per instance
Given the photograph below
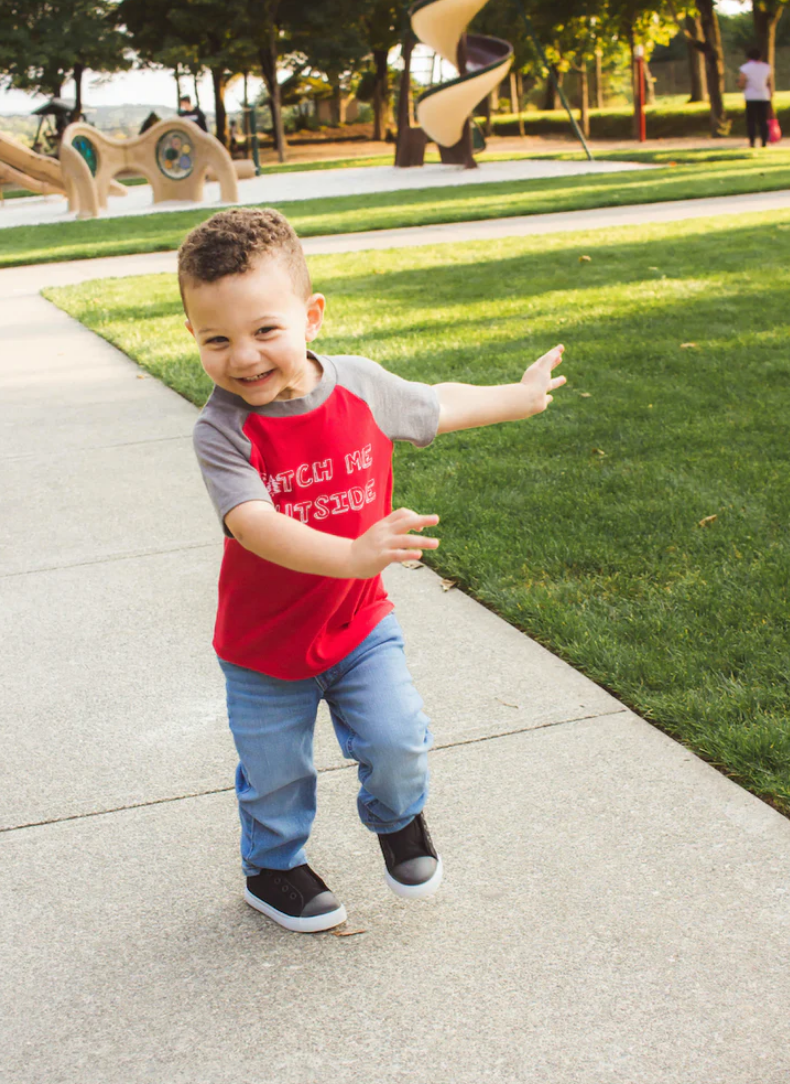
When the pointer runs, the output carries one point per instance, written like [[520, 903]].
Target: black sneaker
[[296, 898], [414, 869]]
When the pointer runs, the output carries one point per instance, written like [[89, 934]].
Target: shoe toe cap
[[415, 871], [321, 904]]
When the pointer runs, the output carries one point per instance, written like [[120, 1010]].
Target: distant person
[[149, 122], [756, 82], [193, 113], [233, 139]]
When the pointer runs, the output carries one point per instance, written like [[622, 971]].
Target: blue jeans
[[379, 722]]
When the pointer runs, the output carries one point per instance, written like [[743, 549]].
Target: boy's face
[[251, 331]]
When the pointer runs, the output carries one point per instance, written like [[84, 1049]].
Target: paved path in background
[[615, 911], [18, 281], [317, 184]]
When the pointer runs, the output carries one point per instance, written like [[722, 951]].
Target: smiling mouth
[[259, 379]]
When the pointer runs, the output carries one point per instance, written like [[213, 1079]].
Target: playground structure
[[174, 155], [35, 172], [443, 111]]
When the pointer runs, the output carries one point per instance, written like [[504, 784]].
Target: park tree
[[704, 34], [765, 16], [45, 42], [330, 40], [155, 41], [382, 24]]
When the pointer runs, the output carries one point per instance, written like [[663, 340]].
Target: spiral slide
[[442, 111]]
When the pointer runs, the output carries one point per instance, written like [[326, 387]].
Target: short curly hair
[[229, 242]]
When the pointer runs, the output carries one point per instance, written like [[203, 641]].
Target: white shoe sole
[[416, 892], [314, 924]]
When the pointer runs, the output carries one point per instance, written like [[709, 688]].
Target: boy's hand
[[539, 379], [388, 542]]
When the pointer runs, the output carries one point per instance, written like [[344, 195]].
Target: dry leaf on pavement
[[507, 703], [447, 585], [412, 564], [347, 933]]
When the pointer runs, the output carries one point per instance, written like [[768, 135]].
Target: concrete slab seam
[[321, 771], [112, 557]]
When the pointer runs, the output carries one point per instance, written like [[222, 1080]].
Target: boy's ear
[[188, 326], [316, 306]]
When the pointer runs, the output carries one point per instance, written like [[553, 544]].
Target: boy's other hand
[[539, 380], [388, 542]]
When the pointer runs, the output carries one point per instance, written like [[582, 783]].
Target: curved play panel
[[35, 172], [442, 111], [173, 155]]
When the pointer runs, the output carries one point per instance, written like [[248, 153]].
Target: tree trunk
[[195, 85], [380, 92], [714, 67], [584, 99], [598, 79], [765, 18], [218, 80], [515, 101], [552, 98], [650, 86], [267, 56], [77, 74], [634, 86], [699, 92], [177, 74]]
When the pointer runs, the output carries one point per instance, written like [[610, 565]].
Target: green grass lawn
[[693, 176], [588, 527]]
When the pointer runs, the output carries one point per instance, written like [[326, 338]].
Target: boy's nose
[[245, 354]]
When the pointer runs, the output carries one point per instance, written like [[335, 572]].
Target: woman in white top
[[756, 82]]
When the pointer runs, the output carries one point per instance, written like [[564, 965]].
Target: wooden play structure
[[173, 155], [443, 111]]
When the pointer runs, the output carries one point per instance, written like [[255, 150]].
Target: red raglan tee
[[326, 459]]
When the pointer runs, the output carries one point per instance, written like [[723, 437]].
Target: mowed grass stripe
[[759, 172], [582, 526]]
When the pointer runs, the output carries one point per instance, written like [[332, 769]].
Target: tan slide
[[34, 172], [440, 24]]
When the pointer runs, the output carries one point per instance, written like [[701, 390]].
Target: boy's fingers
[[415, 521], [401, 541]]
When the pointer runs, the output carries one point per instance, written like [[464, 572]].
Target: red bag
[[774, 131]]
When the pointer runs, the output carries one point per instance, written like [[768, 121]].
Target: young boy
[[302, 611]]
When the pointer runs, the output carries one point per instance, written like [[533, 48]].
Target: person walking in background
[[188, 112], [756, 82]]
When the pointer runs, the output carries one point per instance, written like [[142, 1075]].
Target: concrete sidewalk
[[614, 909]]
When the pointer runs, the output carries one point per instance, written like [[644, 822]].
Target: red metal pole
[[640, 87]]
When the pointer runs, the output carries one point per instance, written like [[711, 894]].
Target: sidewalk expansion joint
[[111, 557], [92, 448], [321, 771]]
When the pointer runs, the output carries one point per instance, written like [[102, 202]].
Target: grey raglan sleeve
[[403, 409], [228, 474]]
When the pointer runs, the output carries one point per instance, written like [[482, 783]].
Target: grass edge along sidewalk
[[636, 529], [725, 175]]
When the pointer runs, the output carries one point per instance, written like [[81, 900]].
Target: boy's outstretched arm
[[288, 542], [466, 406]]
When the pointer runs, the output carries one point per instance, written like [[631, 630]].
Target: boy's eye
[[216, 339], [265, 330]]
